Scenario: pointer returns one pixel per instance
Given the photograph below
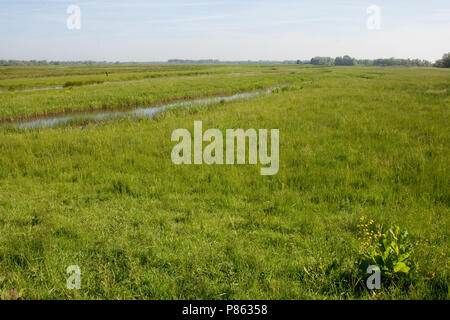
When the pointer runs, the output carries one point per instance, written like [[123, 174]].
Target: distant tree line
[[444, 62], [171, 61], [215, 61], [182, 61], [51, 63], [349, 61], [318, 61]]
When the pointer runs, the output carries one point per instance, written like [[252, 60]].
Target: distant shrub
[[345, 61], [322, 61]]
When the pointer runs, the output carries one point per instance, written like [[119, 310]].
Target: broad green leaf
[[401, 267]]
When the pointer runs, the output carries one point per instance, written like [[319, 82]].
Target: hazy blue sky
[[223, 29]]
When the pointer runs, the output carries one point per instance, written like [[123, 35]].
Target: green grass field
[[105, 195]]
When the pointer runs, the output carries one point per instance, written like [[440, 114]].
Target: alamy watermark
[[235, 140], [74, 280], [374, 20], [73, 22], [374, 281]]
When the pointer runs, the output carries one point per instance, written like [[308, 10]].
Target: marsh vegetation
[[105, 195]]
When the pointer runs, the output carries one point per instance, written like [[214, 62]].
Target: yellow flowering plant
[[390, 251]]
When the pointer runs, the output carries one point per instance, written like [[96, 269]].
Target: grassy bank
[[116, 95]]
